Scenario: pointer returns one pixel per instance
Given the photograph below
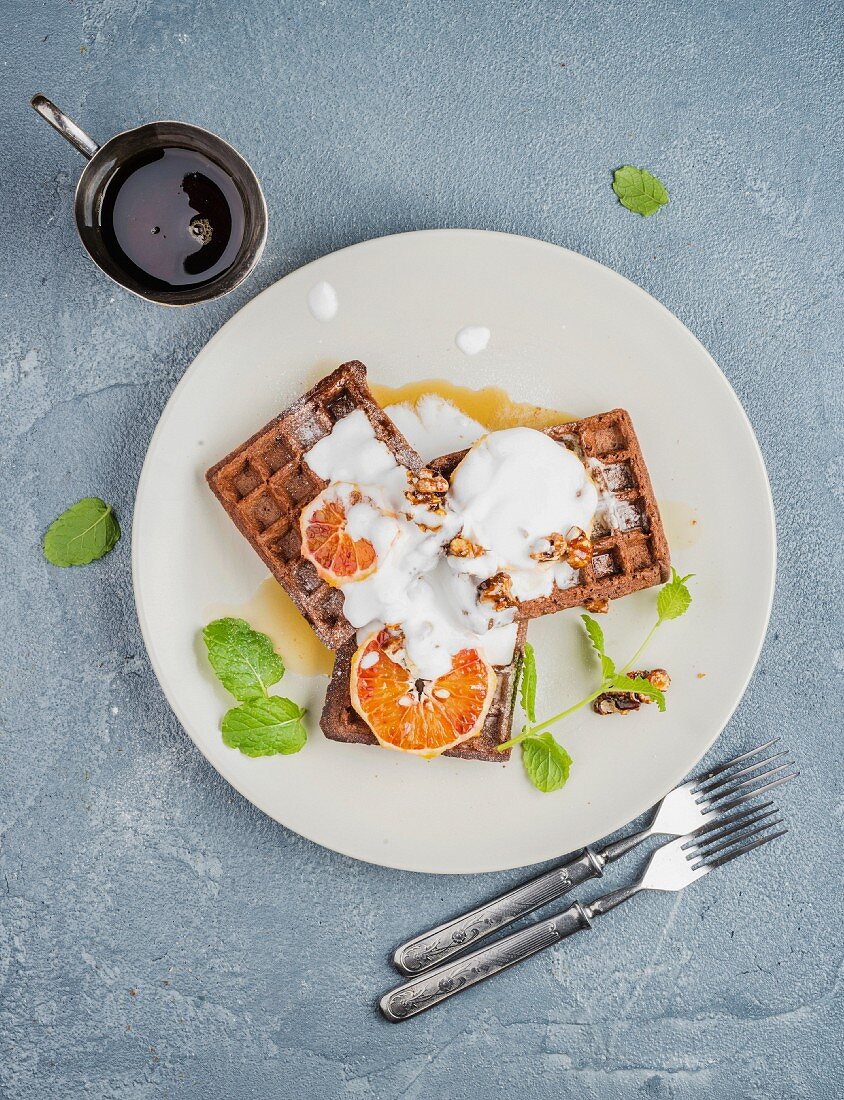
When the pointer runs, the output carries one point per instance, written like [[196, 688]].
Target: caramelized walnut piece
[[498, 591], [460, 547], [579, 548], [617, 702], [395, 642], [556, 551], [657, 676], [622, 702], [427, 489], [598, 605]]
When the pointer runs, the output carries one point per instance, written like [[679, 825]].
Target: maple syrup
[[492, 406], [272, 612], [172, 218]]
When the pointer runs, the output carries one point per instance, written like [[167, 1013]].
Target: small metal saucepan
[[105, 160]]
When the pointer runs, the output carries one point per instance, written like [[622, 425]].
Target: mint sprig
[[638, 190], [246, 665], [244, 659], [265, 727], [546, 762], [83, 533]]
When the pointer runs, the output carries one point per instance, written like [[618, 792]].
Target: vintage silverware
[[682, 811], [233, 197], [672, 867]]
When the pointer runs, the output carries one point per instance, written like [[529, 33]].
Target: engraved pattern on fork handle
[[428, 989], [449, 939]]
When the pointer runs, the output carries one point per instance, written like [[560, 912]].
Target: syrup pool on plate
[[492, 406], [272, 611]]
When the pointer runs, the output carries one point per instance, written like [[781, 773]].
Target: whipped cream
[[512, 490], [472, 338], [434, 426], [412, 585], [322, 301]]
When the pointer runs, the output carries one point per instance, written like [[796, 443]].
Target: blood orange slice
[[338, 557], [424, 717]]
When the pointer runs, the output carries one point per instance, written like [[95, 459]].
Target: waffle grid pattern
[[265, 483], [630, 551]]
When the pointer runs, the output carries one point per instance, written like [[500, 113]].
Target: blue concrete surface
[[158, 936]]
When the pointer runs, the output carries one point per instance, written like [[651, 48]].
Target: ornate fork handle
[[453, 937], [437, 985]]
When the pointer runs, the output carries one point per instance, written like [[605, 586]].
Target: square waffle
[[340, 722], [265, 483], [629, 548]]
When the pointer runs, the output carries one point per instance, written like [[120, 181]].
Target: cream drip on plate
[[472, 339], [322, 301]]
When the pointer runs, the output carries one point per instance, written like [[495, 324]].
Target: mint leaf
[[596, 637], [265, 727], [546, 762], [244, 659], [640, 686], [528, 683], [674, 598], [638, 190], [596, 634], [82, 534]]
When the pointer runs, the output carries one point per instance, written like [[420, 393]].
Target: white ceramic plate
[[566, 333]]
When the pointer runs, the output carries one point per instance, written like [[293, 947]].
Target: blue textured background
[[158, 936]]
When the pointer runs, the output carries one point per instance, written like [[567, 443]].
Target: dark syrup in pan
[[172, 219]]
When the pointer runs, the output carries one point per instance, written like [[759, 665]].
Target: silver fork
[[672, 867], [682, 811]]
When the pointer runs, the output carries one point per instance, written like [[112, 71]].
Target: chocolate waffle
[[629, 548], [340, 722], [265, 483]]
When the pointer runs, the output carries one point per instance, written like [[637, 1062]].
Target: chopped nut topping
[[459, 547], [598, 605], [604, 704], [395, 642], [498, 591], [657, 676], [556, 550], [622, 702], [579, 548], [428, 489], [618, 702]]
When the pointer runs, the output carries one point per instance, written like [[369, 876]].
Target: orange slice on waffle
[[337, 556], [424, 717]]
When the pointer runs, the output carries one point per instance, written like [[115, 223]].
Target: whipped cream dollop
[[472, 338], [322, 301], [434, 426], [512, 490]]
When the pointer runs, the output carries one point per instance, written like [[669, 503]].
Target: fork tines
[[726, 838], [723, 788]]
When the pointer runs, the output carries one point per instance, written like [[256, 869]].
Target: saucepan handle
[[65, 126]]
